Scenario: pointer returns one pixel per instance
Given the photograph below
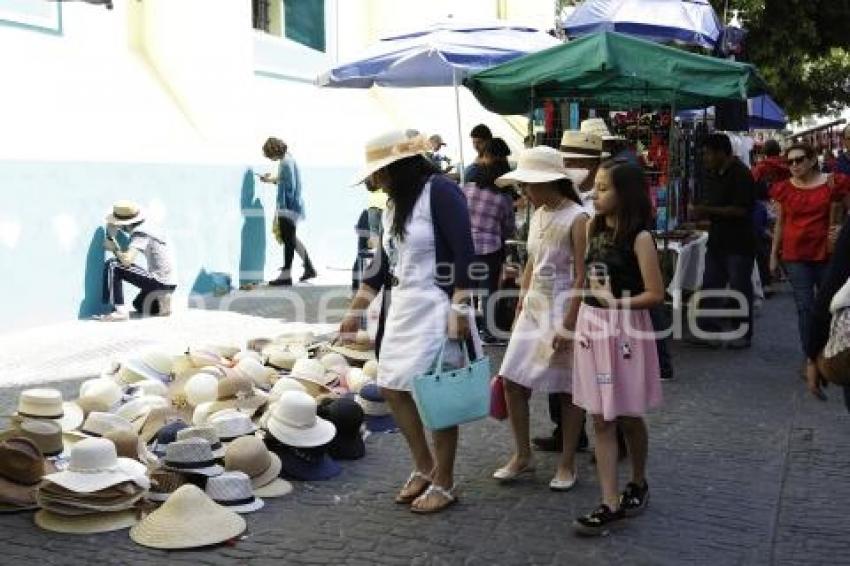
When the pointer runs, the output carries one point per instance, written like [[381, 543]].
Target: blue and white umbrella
[[687, 22], [441, 55]]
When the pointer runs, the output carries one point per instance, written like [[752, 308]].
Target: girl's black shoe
[[598, 522]]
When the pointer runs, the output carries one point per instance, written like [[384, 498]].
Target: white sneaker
[[116, 316]]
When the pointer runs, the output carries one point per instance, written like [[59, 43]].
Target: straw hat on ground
[[47, 404], [86, 524], [294, 421], [156, 419], [231, 424], [99, 424], [22, 466], [233, 490], [202, 356], [540, 164], [191, 456], [260, 375], [188, 519], [164, 483], [250, 455], [151, 364], [243, 354], [46, 435], [95, 465], [136, 411], [388, 148], [206, 433], [103, 390], [283, 357]]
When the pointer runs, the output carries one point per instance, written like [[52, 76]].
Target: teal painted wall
[[217, 217]]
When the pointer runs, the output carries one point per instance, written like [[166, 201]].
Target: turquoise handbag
[[447, 398]]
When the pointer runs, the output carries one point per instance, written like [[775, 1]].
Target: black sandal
[[598, 522]]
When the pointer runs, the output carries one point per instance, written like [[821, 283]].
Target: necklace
[[553, 210]]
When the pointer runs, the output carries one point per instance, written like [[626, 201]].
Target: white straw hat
[[191, 456], [47, 404], [136, 410], [312, 370], [294, 422], [188, 519], [370, 370], [151, 364], [230, 424], [98, 424], [202, 356], [103, 390], [90, 524], [388, 148], [540, 164], [254, 370], [284, 356], [125, 212], [335, 361], [284, 384], [95, 465], [233, 490], [581, 145], [243, 354], [357, 378], [201, 388]]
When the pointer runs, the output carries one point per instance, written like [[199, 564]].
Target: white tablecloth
[[690, 265]]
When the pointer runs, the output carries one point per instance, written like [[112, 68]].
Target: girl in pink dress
[[616, 378]]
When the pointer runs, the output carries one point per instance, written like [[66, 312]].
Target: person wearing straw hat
[[156, 282], [424, 265], [538, 357], [290, 210], [583, 152]]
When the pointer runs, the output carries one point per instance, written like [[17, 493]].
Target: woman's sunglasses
[[796, 160]]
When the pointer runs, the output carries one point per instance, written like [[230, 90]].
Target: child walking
[[616, 377], [539, 355]]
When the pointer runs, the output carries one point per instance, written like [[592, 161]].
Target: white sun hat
[[149, 387], [284, 384], [284, 356], [191, 456], [254, 370], [98, 424], [102, 390], [334, 361], [151, 364], [95, 465], [47, 404], [202, 356], [231, 424], [136, 410], [233, 490], [294, 422], [311, 370], [389, 147], [201, 388], [540, 164], [243, 354], [188, 519]]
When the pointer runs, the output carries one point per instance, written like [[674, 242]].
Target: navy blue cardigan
[[453, 240]]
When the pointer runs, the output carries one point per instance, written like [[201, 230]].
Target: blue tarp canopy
[[687, 22], [763, 112], [441, 55]]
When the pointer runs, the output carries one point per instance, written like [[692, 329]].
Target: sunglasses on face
[[796, 160]]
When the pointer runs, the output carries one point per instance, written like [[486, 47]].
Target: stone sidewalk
[[745, 468]]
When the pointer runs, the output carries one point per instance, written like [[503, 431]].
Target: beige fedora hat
[[254, 370], [188, 519], [576, 144], [540, 164], [86, 524], [125, 212], [45, 434], [388, 148], [47, 404], [294, 422], [249, 454], [97, 424], [597, 126]]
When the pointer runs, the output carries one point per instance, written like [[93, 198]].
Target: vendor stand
[[645, 82]]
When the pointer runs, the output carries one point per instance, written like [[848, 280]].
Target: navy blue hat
[[166, 436], [347, 416], [306, 464], [378, 415]]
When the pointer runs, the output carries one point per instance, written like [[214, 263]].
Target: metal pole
[[459, 126]]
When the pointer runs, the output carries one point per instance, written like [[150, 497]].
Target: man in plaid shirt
[[491, 212]]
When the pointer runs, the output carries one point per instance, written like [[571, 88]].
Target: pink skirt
[[615, 364]]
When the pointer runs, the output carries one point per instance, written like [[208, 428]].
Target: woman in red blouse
[[803, 231]]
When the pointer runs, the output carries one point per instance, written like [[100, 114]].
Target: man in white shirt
[[156, 281]]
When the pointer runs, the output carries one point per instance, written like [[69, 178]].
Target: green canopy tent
[[615, 70]]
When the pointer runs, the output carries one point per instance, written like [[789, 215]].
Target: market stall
[[636, 86]]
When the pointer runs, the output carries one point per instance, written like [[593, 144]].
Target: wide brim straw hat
[[86, 524], [87, 481], [354, 353], [389, 147], [124, 213], [539, 165], [188, 519]]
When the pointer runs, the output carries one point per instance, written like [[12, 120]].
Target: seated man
[[156, 283]]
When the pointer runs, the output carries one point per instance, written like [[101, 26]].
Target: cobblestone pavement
[[745, 469]]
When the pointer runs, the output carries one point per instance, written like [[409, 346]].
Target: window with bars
[[302, 21]]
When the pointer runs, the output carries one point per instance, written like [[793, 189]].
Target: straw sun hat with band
[[540, 165], [388, 148]]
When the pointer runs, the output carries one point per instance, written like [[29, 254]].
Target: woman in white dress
[[539, 355], [424, 265]]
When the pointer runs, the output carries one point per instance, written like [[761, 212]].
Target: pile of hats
[[200, 436]]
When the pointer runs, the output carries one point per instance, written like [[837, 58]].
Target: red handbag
[[498, 403]]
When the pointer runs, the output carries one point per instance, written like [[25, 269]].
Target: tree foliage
[[802, 49]]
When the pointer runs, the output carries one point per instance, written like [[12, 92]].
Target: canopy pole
[[462, 171]]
